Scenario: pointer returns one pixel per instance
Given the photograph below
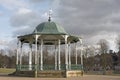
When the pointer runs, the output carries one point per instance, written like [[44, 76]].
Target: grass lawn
[[6, 70]]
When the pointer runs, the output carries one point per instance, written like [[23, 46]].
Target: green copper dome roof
[[49, 32], [49, 28]]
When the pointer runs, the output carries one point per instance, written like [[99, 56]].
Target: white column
[[30, 57], [76, 53], [81, 57], [69, 53], [21, 54], [17, 52], [17, 55], [59, 60], [66, 52], [36, 54], [81, 52], [41, 55], [55, 57]]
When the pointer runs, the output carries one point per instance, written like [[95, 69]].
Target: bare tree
[[89, 58], [103, 49], [116, 59], [118, 42], [103, 46]]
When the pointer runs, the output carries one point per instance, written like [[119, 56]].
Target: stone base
[[49, 73], [74, 73], [53, 74], [24, 73]]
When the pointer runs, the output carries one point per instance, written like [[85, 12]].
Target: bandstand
[[47, 33]]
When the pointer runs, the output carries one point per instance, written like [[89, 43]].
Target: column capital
[[36, 37], [81, 40], [65, 36]]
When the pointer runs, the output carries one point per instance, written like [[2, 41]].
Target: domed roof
[[49, 28], [49, 31]]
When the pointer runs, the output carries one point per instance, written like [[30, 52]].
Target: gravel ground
[[85, 77]]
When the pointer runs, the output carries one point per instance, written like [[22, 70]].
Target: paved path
[[85, 77]]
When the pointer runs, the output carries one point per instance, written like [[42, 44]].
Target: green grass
[[6, 70]]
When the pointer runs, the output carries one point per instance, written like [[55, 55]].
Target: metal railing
[[48, 67]]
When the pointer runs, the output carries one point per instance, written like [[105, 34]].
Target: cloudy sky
[[91, 19]]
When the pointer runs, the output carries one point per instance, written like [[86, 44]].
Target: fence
[[48, 67]]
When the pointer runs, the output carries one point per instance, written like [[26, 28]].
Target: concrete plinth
[[74, 73], [50, 73]]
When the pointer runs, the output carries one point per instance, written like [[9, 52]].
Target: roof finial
[[50, 13]]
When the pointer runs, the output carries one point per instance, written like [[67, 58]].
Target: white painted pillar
[[17, 58], [30, 57], [81, 57], [69, 53], [36, 40], [17, 52], [59, 60], [76, 53], [41, 55], [66, 52], [55, 57], [81, 51], [21, 54], [36, 54]]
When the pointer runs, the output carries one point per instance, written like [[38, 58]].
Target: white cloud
[[110, 37], [38, 1], [24, 17], [3, 42], [12, 4], [89, 17], [24, 21], [45, 15], [94, 19], [1, 13], [24, 11]]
